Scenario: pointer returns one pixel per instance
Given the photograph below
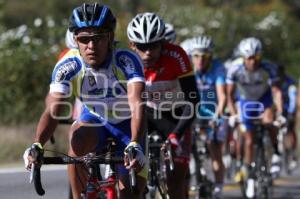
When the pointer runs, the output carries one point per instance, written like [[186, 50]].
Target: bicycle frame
[[157, 167], [200, 154], [96, 186], [260, 169]]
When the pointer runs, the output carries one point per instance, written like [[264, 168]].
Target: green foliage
[[32, 35]]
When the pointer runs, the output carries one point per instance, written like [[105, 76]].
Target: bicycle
[[283, 146], [260, 166], [204, 185], [97, 186], [159, 161]]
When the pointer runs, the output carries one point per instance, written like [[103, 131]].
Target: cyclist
[[210, 78], [170, 34], [103, 77], [289, 92], [171, 92], [255, 81]]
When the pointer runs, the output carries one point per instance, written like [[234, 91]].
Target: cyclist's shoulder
[[235, 67], [218, 66], [268, 65], [128, 61], [67, 66], [125, 56], [174, 58]]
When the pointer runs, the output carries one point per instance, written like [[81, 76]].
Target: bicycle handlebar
[[132, 175], [36, 177], [35, 174]]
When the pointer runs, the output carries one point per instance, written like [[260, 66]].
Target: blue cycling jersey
[[289, 93], [101, 91], [206, 84]]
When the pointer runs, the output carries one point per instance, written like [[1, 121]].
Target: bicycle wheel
[[262, 176]]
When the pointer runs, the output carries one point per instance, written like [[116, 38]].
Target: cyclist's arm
[[292, 92], [137, 108], [188, 86], [47, 122], [230, 89], [221, 99], [278, 100]]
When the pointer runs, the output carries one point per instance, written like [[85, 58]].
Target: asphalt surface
[[14, 183]]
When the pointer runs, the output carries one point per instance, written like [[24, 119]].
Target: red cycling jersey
[[162, 79]]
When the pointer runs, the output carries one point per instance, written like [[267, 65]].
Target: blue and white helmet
[[249, 47], [170, 34], [146, 28], [92, 15]]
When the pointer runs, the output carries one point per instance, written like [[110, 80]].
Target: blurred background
[[32, 35]]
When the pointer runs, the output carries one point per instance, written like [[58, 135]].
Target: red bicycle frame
[[95, 186]]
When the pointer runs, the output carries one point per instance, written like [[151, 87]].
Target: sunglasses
[[255, 57], [150, 46], [205, 55], [96, 38]]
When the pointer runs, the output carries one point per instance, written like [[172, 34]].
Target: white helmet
[[249, 47], [170, 34], [146, 28], [203, 43], [187, 46], [69, 40]]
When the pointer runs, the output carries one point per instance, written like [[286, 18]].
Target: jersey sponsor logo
[[105, 92], [179, 58], [127, 63], [63, 70], [92, 80]]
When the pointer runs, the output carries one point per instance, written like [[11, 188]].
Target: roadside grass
[[14, 140]]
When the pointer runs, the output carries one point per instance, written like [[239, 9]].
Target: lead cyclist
[[103, 77]]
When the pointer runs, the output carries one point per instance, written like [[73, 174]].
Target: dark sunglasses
[[96, 38], [150, 46]]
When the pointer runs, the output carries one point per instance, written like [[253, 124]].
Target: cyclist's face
[[93, 45], [252, 63], [201, 60], [149, 53]]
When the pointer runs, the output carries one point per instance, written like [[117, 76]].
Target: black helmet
[[92, 15]]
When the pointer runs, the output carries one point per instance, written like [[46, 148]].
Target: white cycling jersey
[[252, 85], [104, 91]]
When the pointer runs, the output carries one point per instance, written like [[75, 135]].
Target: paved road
[[285, 187], [14, 184]]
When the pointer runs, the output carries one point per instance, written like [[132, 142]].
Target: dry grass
[[14, 141]]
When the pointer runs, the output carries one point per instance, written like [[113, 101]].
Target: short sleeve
[[230, 76], [64, 71], [131, 65]]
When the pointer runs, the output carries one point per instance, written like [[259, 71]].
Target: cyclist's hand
[[280, 120], [33, 155], [233, 120], [175, 143], [215, 122], [139, 159]]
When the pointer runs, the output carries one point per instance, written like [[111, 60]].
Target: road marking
[[23, 170]]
